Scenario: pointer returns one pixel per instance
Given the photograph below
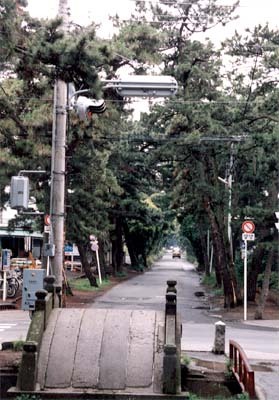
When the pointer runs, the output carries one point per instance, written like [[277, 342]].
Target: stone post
[[27, 375], [171, 286], [171, 360], [220, 333], [170, 370]]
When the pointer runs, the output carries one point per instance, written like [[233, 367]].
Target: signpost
[[95, 247], [5, 266], [248, 228]]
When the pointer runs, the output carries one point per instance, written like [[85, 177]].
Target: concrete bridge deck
[[102, 350], [101, 353]]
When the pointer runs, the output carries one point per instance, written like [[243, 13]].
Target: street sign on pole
[[248, 236], [47, 220], [95, 247], [248, 227]]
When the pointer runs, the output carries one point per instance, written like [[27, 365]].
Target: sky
[[83, 12], [251, 13]]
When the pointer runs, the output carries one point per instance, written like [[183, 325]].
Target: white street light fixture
[[277, 217], [131, 86], [144, 86]]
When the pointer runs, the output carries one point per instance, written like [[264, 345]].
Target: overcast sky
[[83, 12], [251, 13]]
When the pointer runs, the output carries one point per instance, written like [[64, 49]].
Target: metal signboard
[[6, 259], [248, 236]]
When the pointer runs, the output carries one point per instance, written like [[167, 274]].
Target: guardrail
[[241, 368]]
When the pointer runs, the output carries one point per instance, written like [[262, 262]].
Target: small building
[[20, 241]]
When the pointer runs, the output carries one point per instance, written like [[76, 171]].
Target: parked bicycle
[[13, 283]]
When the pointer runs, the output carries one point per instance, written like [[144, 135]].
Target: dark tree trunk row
[[265, 288], [254, 271]]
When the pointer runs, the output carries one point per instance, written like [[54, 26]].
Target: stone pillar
[[171, 286], [220, 334], [170, 370], [27, 374]]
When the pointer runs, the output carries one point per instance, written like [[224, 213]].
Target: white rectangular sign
[[248, 236]]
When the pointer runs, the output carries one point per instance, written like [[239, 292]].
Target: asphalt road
[[14, 325], [147, 291]]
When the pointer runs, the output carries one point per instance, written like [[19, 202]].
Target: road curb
[[7, 306], [260, 393]]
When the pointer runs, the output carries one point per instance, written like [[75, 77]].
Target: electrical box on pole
[[19, 194], [33, 280]]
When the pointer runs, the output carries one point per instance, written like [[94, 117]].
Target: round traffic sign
[[47, 220], [248, 226]]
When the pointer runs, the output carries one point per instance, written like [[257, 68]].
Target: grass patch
[[209, 280], [83, 284], [121, 274], [18, 345], [186, 360], [241, 396]]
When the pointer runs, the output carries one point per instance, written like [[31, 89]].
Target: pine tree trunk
[[117, 246], [222, 264], [265, 288], [130, 247], [102, 258], [254, 272], [85, 265], [204, 251]]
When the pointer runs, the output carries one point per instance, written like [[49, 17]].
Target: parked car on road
[[176, 252]]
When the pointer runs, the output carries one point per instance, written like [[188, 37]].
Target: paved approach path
[[260, 339]]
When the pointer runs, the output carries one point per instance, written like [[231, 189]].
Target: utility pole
[[57, 195], [230, 180]]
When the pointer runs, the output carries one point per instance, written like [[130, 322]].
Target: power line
[[182, 3], [205, 103]]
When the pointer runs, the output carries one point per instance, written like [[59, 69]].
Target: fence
[[241, 368]]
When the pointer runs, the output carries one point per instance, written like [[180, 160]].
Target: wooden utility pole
[[57, 195]]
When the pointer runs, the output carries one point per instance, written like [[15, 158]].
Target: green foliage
[[209, 280], [28, 397], [186, 360], [273, 283], [240, 396], [121, 275], [229, 372], [18, 345]]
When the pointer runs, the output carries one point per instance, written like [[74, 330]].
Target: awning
[[20, 233]]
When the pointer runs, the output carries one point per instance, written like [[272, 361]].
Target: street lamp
[[277, 217], [143, 85], [131, 86]]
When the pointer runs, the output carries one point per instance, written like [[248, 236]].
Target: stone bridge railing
[[172, 346], [46, 301]]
